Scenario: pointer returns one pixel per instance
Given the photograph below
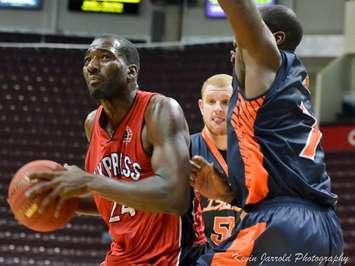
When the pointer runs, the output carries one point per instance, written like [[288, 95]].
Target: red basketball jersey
[[139, 238]]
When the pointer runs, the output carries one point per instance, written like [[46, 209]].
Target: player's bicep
[[168, 134], [171, 157], [88, 124]]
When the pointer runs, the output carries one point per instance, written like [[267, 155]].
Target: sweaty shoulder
[[88, 124], [164, 115], [159, 102]]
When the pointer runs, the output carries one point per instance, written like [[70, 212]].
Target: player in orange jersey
[[276, 169], [218, 217], [213, 220]]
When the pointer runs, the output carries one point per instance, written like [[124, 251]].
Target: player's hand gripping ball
[[25, 208]]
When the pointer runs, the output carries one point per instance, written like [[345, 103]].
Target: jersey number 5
[[222, 226], [124, 210]]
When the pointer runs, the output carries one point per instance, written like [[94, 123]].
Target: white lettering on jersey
[[98, 170], [218, 205], [126, 171], [114, 165], [136, 174], [106, 162]]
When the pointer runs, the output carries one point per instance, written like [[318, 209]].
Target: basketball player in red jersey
[[137, 163]]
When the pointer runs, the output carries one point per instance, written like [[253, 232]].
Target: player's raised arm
[[251, 32], [257, 48]]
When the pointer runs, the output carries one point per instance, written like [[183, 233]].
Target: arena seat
[[341, 167]]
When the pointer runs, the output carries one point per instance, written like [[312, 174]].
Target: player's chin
[[97, 93], [219, 130]]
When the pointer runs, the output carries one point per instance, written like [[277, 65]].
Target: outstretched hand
[[208, 182], [60, 186]]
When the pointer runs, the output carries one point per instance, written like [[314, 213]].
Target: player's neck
[[219, 140], [116, 109]]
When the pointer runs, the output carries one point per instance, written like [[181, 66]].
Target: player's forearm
[[154, 194], [244, 19]]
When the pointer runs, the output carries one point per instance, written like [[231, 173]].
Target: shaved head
[[122, 47], [284, 19]]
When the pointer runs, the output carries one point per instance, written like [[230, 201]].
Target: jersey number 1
[[313, 139]]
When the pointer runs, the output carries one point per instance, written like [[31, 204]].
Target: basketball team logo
[[127, 137]]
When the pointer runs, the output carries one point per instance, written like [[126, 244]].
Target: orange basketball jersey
[[139, 238]]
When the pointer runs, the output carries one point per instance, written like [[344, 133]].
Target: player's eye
[[106, 57], [211, 101], [226, 102], [87, 60]]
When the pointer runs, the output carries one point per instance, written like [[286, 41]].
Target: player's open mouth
[[218, 120]]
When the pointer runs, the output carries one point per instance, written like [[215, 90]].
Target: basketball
[[25, 209]]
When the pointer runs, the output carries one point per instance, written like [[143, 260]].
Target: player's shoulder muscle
[[165, 114], [89, 123]]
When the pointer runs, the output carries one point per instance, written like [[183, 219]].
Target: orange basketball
[[26, 209]]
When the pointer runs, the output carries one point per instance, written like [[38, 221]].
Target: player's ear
[[132, 72], [280, 38], [200, 105]]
